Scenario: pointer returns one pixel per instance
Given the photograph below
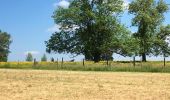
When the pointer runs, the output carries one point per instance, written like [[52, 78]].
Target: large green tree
[[5, 41], [148, 17], [89, 27]]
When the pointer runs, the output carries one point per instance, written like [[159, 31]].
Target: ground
[[71, 85]]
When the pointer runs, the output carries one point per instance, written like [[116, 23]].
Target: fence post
[[52, 59], [35, 62], [57, 62], [62, 62], [141, 62], [83, 62], [134, 61], [107, 62], [164, 61]]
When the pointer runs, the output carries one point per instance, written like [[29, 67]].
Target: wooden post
[[35, 62], [141, 62], [134, 61], [62, 62], [52, 59], [57, 62], [83, 62], [107, 62], [164, 61]]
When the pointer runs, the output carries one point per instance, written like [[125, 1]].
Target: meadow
[[114, 66], [113, 80], [78, 85]]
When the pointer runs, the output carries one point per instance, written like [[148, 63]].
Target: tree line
[[93, 28]]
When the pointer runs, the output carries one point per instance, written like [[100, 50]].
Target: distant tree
[[5, 41], [44, 58], [29, 57], [88, 27], [148, 16]]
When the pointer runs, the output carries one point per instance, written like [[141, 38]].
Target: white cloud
[[55, 28], [63, 3], [32, 52]]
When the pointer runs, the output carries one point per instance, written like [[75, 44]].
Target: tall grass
[[90, 66]]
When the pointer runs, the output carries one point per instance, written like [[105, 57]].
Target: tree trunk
[[97, 57], [143, 57], [88, 56]]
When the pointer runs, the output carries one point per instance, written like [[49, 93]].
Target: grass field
[[113, 66], [71, 85]]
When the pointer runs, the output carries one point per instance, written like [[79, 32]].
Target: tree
[[148, 18], [88, 27], [5, 41], [161, 45], [29, 57], [44, 58]]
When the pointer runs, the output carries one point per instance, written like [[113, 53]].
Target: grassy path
[[70, 85]]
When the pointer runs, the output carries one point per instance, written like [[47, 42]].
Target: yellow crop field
[[71, 85]]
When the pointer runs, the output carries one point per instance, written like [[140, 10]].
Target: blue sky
[[30, 24]]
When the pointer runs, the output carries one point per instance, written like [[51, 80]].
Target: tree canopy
[[5, 41], [91, 28], [161, 45], [148, 17]]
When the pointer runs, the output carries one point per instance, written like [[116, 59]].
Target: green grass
[[113, 67]]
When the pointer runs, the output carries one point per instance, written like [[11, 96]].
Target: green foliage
[[128, 45], [148, 18], [44, 58], [5, 41], [161, 45], [89, 27], [153, 67], [29, 57]]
